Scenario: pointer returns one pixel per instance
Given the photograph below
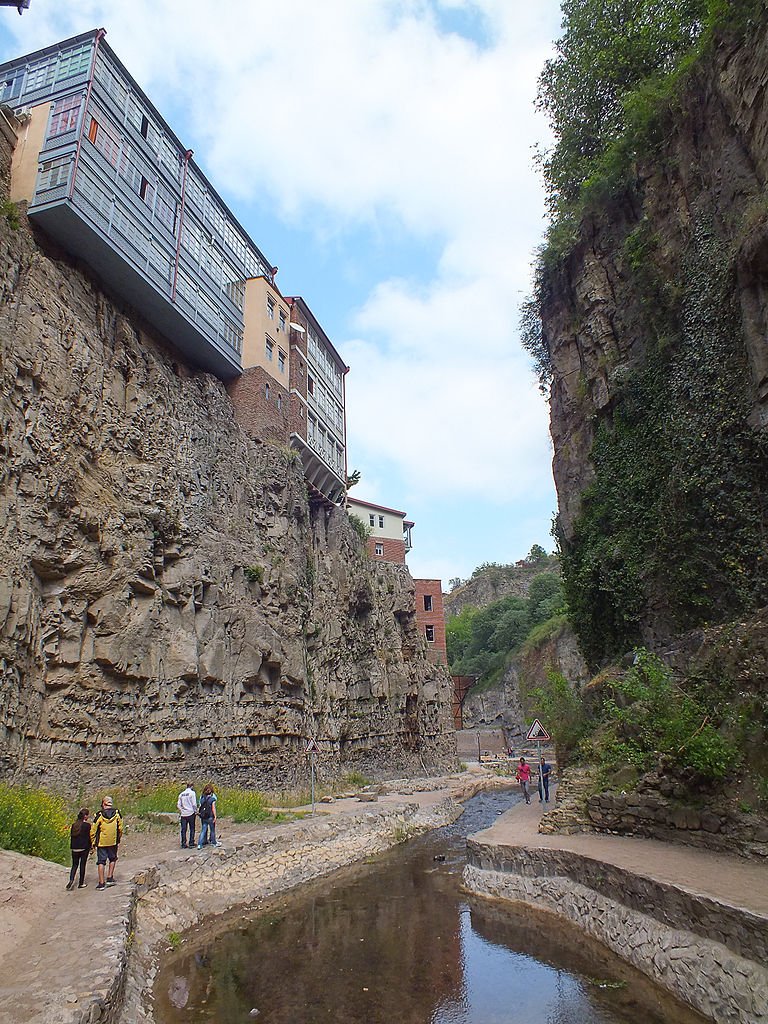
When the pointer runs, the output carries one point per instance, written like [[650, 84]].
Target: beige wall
[[257, 326], [25, 162], [393, 524]]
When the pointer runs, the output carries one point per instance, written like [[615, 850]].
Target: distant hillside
[[491, 581]]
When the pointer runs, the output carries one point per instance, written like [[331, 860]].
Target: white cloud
[[370, 112]]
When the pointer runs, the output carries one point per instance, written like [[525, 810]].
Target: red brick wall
[[394, 550], [434, 618], [257, 415]]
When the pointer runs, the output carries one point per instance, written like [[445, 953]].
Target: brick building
[[390, 540], [104, 175], [430, 617], [389, 530]]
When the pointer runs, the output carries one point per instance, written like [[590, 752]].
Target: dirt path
[[52, 940]]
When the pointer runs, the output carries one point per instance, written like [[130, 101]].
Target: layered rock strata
[[170, 600]]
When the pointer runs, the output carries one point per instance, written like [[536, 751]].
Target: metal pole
[[541, 780], [479, 757], [312, 773]]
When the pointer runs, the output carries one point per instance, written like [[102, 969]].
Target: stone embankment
[[173, 898], [98, 951], [696, 923]]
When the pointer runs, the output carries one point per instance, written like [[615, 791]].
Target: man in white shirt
[[187, 805]]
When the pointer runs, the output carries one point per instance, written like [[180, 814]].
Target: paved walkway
[[731, 880], [69, 945], [64, 942]]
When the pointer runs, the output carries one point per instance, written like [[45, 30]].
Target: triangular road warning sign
[[311, 747], [537, 731]]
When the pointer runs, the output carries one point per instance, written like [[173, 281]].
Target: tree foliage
[[480, 639], [608, 49]]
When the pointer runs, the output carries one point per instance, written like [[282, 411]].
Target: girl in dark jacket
[[80, 846]]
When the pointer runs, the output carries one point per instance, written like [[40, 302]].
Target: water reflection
[[396, 941]]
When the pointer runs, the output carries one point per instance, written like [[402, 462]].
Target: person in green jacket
[[106, 833]]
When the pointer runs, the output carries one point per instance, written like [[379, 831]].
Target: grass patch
[[34, 823]]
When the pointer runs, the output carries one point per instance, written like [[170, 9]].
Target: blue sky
[[380, 153]]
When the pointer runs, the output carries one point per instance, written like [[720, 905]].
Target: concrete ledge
[[707, 953]]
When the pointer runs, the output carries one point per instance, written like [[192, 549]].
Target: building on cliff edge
[[390, 540], [104, 175]]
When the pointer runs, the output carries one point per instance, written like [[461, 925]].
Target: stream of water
[[395, 941]]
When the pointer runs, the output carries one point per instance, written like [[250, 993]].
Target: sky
[[381, 154]]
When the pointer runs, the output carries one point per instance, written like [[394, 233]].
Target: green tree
[[536, 554], [458, 635], [608, 49], [545, 598]]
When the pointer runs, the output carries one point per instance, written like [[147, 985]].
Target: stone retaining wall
[[177, 895], [708, 954]]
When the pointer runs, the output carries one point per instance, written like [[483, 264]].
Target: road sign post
[[312, 750], [539, 734]]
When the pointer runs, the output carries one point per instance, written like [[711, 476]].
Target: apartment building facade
[[390, 540], [105, 176], [389, 530]]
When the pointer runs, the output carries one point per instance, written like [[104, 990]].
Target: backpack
[[206, 807]]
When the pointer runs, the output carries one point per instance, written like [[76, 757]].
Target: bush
[[35, 823], [650, 722], [362, 531]]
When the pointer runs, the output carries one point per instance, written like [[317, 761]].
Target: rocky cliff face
[[494, 582], [170, 601], [656, 324]]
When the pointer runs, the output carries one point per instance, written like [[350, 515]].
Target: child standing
[[80, 847]]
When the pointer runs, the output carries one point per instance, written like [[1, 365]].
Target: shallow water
[[395, 941]]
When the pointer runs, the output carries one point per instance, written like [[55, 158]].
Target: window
[[144, 129], [270, 349], [53, 173], [381, 522], [427, 602], [104, 141], [429, 633], [165, 209], [74, 62], [11, 87], [270, 307], [371, 518], [146, 192], [279, 402], [40, 75], [266, 391], [64, 116], [379, 548], [236, 292], [281, 361], [310, 385], [281, 326]]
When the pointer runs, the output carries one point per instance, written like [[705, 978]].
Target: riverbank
[[88, 957], [694, 922]]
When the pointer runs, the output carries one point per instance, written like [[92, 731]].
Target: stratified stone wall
[[709, 955], [169, 598]]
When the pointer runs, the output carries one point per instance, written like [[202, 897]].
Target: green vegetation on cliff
[[480, 640], [676, 515], [672, 529], [636, 721]]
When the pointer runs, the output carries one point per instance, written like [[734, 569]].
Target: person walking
[[207, 812], [106, 833], [545, 771], [187, 805], [523, 776], [80, 847]]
